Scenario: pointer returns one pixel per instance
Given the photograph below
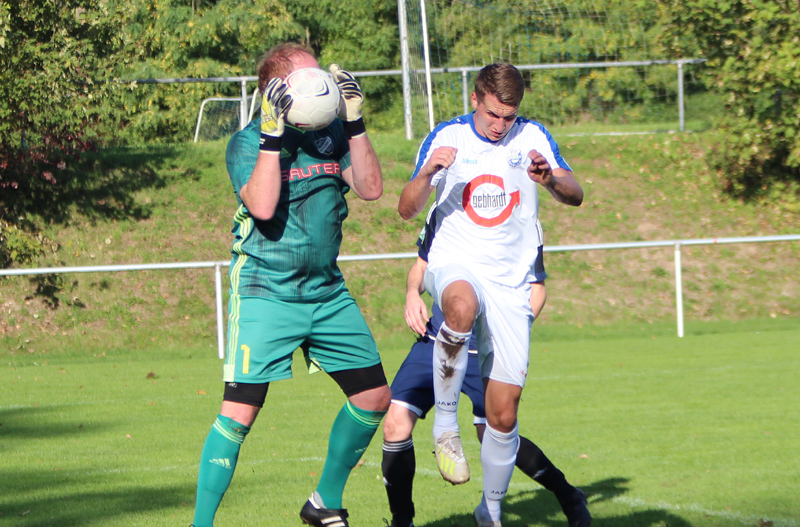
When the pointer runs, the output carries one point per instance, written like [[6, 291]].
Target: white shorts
[[502, 325]]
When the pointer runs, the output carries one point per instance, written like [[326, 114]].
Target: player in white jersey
[[485, 168]]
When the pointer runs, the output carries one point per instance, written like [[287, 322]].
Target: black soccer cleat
[[576, 511], [319, 517]]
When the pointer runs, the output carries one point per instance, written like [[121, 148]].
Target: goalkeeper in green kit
[[286, 291]]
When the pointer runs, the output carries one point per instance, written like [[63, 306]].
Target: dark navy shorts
[[412, 387]]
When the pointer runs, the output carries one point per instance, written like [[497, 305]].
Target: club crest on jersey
[[324, 145], [486, 201], [514, 157]]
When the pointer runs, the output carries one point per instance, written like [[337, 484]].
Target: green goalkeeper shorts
[[263, 334]]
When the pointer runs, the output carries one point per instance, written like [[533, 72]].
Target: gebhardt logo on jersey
[[486, 202], [311, 170]]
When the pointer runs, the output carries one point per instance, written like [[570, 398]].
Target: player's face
[[493, 119]]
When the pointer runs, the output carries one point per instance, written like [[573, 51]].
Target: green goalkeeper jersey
[[291, 257]]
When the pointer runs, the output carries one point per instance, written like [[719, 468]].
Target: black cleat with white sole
[[319, 517]]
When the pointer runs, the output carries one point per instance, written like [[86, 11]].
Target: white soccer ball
[[315, 97]]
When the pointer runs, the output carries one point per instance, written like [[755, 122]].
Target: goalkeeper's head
[[283, 59]]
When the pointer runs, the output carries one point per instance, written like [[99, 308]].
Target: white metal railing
[[428, 71], [217, 265]]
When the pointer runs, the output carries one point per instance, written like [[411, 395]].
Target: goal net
[[589, 66], [220, 117]]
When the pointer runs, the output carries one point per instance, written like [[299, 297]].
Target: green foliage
[[753, 56], [358, 36], [471, 33], [18, 245], [54, 104], [224, 39]]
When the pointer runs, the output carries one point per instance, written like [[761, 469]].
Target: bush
[[754, 62], [53, 104]]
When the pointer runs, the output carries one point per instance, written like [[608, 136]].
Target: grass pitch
[[659, 431]]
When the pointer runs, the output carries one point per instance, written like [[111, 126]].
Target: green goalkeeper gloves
[[275, 102], [352, 99]]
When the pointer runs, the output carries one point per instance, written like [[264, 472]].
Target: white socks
[[498, 456], [450, 355]]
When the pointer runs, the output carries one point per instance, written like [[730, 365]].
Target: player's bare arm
[[416, 311], [415, 194], [538, 298], [364, 174], [260, 194], [560, 182]]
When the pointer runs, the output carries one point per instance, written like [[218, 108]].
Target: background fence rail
[[218, 265]]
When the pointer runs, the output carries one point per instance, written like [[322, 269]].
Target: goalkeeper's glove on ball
[[275, 102], [350, 105]]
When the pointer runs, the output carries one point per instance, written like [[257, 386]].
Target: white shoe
[[450, 458], [482, 518]]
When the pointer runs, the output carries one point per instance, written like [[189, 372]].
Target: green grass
[[660, 431]]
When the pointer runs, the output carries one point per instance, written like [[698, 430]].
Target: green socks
[[218, 461], [350, 436]]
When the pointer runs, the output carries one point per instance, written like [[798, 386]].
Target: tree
[[753, 52], [358, 35], [178, 40], [54, 105]]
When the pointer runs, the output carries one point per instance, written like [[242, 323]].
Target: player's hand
[[539, 170], [416, 313], [441, 159], [352, 96], [274, 104]]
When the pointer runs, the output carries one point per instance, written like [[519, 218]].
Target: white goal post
[[225, 115], [588, 64]]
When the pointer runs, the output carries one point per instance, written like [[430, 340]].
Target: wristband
[[354, 128], [269, 143]]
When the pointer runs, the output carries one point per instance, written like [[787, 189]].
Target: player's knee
[[374, 399], [460, 307], [503, 421], [382, 399], [461, 318], [398, 424]]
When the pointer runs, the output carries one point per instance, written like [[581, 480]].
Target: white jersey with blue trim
[[486, 205]]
